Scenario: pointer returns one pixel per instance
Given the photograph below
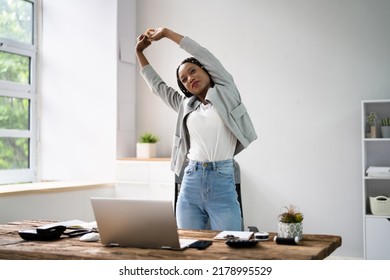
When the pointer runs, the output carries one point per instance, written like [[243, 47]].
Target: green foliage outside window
[[14, 68], [16, 21], [14, 114], [14, 153]]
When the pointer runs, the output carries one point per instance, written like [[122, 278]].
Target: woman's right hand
[[142, 43]]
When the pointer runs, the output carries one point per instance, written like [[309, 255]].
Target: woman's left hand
[[155, 34]]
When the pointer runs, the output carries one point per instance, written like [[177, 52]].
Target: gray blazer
[[224, 96]]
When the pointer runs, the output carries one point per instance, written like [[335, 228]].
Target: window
[[18, 21]]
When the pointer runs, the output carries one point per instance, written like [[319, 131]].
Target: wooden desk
[[13, 247]]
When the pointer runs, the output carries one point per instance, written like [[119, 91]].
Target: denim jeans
[[208, 197]]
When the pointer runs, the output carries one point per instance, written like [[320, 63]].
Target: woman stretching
[[212, 127]]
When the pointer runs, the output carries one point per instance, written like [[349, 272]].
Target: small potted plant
[[371, 119], [385, 127], [146, 146], [290, 223]]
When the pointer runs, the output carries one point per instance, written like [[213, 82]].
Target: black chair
[[237, 180]]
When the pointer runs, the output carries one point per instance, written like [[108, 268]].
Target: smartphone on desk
[[200, 244]]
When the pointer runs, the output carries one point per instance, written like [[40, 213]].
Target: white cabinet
[[377, 235], [375, 153], [145, 178]]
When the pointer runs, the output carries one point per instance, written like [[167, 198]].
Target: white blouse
[[210, 139]]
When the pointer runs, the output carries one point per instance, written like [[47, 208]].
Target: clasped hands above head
[[152, 34]]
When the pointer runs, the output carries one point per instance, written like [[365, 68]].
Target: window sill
[[51, 186]]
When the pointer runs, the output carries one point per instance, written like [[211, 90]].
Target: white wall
[[61, 204], [302, 68], [126, 74], [78, 88]]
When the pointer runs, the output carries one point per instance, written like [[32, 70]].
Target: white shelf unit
[[145, 178], [375, 152]]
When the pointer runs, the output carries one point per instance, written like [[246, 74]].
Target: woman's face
[[195, 79]]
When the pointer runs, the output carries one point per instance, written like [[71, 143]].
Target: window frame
[[25, 91]]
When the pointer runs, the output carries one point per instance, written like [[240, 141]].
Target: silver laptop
[[137, 223]]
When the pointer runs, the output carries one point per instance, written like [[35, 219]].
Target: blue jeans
[[208, 197]]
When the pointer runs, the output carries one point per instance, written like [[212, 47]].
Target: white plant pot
[[146, 150], [290, 230]]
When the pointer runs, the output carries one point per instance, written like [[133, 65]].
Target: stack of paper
[[374, 171], [242, 235]]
